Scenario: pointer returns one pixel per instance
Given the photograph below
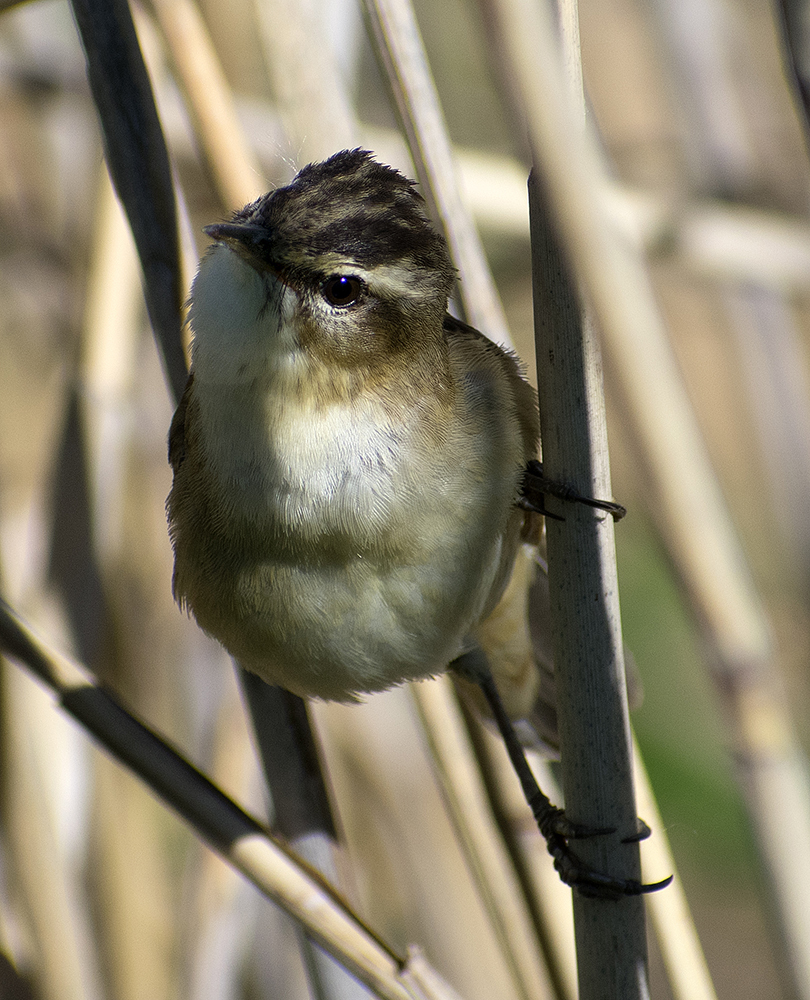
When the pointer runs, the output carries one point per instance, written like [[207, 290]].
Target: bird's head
[[342, 266]]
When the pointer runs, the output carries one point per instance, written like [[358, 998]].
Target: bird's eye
[[342, 289]]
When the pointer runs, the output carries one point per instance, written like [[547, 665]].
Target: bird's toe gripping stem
[[536, 487], [558, 830]]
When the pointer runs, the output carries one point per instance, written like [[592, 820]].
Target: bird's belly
[[329, 621], [340, 630]]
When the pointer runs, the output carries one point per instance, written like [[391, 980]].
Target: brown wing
[[514, 634], [524, 394]]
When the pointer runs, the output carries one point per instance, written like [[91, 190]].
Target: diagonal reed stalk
[[239, 838]]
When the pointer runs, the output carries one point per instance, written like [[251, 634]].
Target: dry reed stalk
[[687, 500], [238, 837], [42, 877], [548, 897], [136, 929], [492, 869], [687, 972], [398, 45], [591, 689], [676, 931], [310, 94], [233, 166], [111, 330]]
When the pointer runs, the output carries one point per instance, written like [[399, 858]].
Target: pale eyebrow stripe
[[392, 279]]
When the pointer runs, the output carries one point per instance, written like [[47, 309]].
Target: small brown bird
[[348, 459]]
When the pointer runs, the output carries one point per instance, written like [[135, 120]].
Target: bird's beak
[[249, 241], [236, 232]]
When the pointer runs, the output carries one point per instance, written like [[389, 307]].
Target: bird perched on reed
[[349, 459]]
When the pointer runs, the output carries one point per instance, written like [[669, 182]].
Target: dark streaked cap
[[349, 205]]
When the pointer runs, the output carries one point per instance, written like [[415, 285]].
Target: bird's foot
[[552, 822], [536, 487], [558, 830]]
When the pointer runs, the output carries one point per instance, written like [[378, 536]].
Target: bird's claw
[[558, 830], [591, 883], [536, 488], [641, 833]]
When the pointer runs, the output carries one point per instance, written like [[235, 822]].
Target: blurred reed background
[[103, 893]]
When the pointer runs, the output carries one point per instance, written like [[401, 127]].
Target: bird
[[348, 510]]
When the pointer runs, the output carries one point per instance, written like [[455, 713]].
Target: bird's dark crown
[[351, 206]]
